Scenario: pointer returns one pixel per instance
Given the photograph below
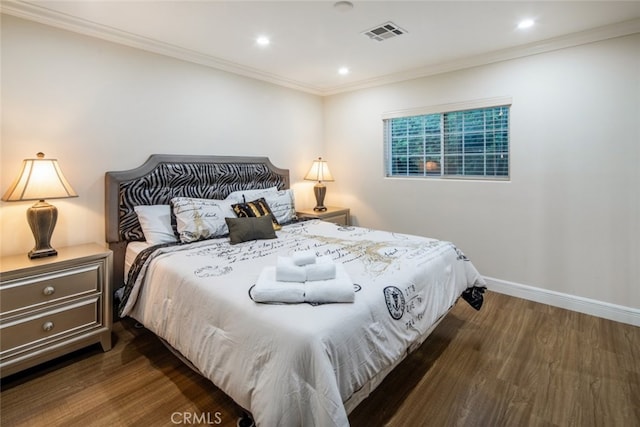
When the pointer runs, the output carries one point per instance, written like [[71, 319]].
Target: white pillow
[[282, 205], [199, 219], [155, 221], [281, 202]]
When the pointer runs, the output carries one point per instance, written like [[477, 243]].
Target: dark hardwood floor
[[513, 363]]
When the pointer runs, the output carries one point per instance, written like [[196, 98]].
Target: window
[[467, 143]]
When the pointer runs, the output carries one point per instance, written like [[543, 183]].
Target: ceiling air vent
[[384, 31]]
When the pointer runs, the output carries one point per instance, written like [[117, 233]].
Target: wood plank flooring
[[513, 363]]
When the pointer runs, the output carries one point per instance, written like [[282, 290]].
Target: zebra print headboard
[[164, 176]]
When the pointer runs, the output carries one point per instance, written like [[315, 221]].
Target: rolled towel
[[287, 271], [320, 271], [339, 289], [267, 289], [303, 258]]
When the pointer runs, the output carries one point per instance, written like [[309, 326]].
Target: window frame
[[443, 110]]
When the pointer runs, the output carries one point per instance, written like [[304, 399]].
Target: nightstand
[[54, 305], [333, 214]]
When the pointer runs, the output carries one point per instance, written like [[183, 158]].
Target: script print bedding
[[295, 364]]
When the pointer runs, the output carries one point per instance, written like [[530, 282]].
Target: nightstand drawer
[[50, 287], [48, 324]]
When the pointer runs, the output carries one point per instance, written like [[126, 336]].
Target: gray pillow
[[250, 228]]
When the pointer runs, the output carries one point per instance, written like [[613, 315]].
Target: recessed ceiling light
[[343, 71], [526, 23], [263, 40]]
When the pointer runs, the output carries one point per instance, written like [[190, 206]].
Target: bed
[[304, 361]]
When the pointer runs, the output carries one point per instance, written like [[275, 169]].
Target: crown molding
[[74, 24], [620, 29], [49, 17]]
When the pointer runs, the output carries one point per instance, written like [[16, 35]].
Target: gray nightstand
[[54, 305], [333, 214]]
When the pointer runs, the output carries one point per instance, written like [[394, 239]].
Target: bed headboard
[[164, 176]]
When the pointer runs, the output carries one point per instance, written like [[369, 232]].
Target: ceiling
[[310, 40]]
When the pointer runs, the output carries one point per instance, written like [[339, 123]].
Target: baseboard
[[592, 307]]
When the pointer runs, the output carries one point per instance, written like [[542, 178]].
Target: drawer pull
[[47, 326], [49, 290]]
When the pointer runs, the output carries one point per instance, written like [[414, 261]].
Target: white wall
[[98, 106], [569, 219]]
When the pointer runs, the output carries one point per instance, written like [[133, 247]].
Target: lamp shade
[[319, 171], [39, 179]]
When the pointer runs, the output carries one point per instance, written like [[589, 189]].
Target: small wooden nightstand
[[333, 214], [54, 305]]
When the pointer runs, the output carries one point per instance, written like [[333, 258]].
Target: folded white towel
[[267, 289], [303, 258], [339, 289], [320, 271], [287, 271]]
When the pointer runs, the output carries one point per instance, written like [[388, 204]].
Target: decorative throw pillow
[[155, 221], [255, 208], [281, 202], [250, 228], [200, 219], [282, 205]]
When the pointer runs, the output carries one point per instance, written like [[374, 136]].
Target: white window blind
[[470, 143]]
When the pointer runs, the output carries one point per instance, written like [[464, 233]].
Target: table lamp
[[40, 179], [319, 172]]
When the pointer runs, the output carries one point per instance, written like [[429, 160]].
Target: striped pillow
[[255, 208]]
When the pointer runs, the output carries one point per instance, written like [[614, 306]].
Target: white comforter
[[295, 364]]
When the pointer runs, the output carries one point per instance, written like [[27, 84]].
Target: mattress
[[133, 250]]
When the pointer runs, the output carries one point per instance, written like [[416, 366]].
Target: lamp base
[[42, 218], [319, 190], [41, 253]]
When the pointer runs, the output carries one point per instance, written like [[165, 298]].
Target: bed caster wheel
[[245, 420]]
